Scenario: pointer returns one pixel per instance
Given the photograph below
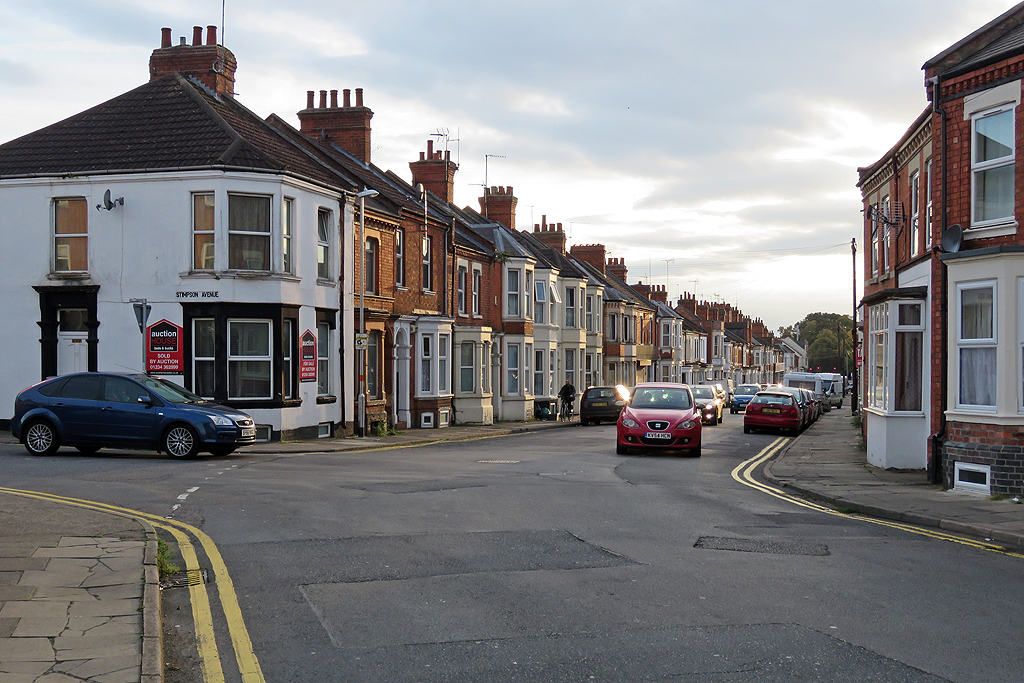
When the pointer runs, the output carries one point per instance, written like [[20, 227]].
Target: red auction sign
[[164, 352], [307, 357]]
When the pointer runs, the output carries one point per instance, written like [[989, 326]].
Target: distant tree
[[835, 349], [788, 331]]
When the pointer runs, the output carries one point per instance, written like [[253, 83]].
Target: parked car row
[[787, 409]]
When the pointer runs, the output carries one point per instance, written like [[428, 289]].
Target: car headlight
[[222, 421], [686, 424], [620, 403], [632, 424]]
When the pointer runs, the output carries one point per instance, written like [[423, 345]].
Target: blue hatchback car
[[742, 395], [94, 410]]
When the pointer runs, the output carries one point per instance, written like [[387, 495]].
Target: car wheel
[[746, 429], [222, 450], [695, 452], [584, 422], [181, 441], [88, 450], [621, 450], [41, 438], [732, 411]]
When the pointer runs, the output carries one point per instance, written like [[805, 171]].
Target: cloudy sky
[[713, 145]]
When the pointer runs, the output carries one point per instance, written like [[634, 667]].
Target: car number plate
[[600, 403], [657, 435], [775, 411], [249, 431]]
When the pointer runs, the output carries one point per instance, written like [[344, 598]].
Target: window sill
[[79, 275], [427, 292], [401, 288], [239, 274], [326, 399], [977, 232], [321, 282]]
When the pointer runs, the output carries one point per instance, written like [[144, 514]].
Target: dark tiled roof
[[169, 123]]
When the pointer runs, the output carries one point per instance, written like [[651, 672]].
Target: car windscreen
[[703, 392], [661, 398], [772, 400], [802, 384], [600, 392], [747, 390], [169, 391]]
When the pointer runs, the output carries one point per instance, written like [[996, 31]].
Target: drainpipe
[[935, 475]]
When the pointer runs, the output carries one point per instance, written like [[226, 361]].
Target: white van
[[808, 380], [833, 384]]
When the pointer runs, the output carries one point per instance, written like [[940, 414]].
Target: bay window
[[323, 359], [512, 387], [570, 307], [538, 373], [466, 367], [540, 302], [248, 232], [976, 344], [513, 293], [287, 226], [426, 364], [249, 359], [373, 348], [442, 363]]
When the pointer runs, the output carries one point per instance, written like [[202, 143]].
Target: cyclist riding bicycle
[[568, 396]]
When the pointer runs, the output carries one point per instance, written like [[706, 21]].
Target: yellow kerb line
[[743, 473], [245, 656]]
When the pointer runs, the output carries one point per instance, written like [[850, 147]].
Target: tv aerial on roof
[[109, 203]]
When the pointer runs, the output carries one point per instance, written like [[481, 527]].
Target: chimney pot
[[359, 97], [323, 99], [165, 37], [430, 148], [422, 156], [346, 95], [334, 99], [309, 99], [197, 35], [183, 42], [211, 35]]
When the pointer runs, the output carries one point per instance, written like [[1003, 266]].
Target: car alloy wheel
[[41, 438], [181, 441]]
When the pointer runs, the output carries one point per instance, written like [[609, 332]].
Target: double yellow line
[[202, 613], [744, 474]]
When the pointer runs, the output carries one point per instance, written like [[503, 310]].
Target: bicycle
[[565, 414]]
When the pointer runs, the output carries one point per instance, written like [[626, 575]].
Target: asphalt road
[[546, 557]]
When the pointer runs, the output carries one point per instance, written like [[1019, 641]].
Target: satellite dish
[[107, 204], [952, 238]]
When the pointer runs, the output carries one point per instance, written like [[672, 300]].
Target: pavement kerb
[[152, 608], [978, 531]]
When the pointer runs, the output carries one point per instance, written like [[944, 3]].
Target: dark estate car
[[659, 415], [602, 403], [710, 404], [94, 410]]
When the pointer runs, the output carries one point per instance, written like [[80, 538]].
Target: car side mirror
[[145, 400]]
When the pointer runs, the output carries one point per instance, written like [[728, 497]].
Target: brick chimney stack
[[642, 289], [687, 304], [659, 294], [346, 126], [594, 254], [211, 64], [617, 267], [436, 172], [550, 234], [499, 205]]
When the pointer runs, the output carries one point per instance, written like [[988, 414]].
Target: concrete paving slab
[[104, 668], [107, 608], [30, 627], [57, 577], [37, 609], [96, 647], [26, 650], [106, 578]]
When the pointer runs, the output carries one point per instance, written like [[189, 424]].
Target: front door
[[72, 341]]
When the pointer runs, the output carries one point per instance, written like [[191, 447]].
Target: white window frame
[[978, 168], [399, 257], [915, 210], [513, 375], [570, 307], [207, 254], [324, 229], [540, 301], [964, 344], [263, 235], [462, 282], [268, 358], [323, 359], [886, 233], [427, 265], [513, 287], [444, 345], [528, 294], [539, 385], [555, 300], [477, 293], [527, 369], [467, 371], [425, 374], [289, 367]]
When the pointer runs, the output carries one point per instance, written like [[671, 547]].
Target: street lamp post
[[362, 307]]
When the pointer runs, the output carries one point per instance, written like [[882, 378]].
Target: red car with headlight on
[[661, 415]]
